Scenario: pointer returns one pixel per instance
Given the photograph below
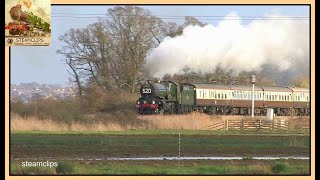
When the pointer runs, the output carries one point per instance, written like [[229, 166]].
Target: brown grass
[[19, 123], [194, 121], [258, 169]]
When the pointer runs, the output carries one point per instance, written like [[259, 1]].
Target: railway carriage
[[301, 100], [213, 98], [242, 99], [278, 98]]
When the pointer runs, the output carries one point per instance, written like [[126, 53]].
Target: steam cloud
[[232, 45]]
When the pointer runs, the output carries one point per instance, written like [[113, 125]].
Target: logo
[[10, 41]]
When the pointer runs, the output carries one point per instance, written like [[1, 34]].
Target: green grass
[[110, 145], [16, 168], [187, 139], [172, 168]]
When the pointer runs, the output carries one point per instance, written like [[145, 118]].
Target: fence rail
[[281, 125]]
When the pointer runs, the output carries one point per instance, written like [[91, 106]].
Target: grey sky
[[43, 65]]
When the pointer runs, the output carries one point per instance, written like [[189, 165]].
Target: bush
[[97, 99], [65, 110], [64, 168], [96, 106], [279, 168]]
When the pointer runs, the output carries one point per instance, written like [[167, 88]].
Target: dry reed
[[19, 123], [194, 121]]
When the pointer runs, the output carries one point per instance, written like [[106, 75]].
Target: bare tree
[[189, 20], [110, 53]]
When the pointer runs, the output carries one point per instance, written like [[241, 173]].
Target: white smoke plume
[[284, 43]]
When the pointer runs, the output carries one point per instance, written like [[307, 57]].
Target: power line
[[182, 18]]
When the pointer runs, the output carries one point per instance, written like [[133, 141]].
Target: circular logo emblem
[[10, 41]]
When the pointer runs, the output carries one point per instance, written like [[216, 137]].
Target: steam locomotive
[[26, 23], [167, 97]]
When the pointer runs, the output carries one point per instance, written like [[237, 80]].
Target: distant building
[[28, 91]]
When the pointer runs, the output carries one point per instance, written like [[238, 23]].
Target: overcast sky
[[43, 65]]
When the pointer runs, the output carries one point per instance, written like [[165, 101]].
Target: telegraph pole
[[253, 81]]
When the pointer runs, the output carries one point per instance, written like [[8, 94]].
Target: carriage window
[[225, 96]]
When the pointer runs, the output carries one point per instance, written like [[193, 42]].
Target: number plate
[[146, 90]]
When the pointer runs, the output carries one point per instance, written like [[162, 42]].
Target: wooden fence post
[[226, 126]]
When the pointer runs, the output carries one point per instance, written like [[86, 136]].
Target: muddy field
[[68, 145]]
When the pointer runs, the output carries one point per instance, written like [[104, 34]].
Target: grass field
[[113, 145], [41, 146], [34, 140], [200, 167]]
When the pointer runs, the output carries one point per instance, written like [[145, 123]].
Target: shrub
[[279, 167], [64, 168]]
